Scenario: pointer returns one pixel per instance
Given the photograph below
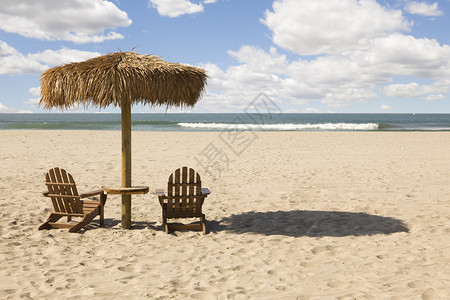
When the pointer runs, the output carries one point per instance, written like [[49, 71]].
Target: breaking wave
[[281, 127]]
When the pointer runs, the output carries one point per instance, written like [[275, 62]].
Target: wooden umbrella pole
[[126, 163]]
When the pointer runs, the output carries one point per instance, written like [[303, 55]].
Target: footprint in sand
[[7, 292], [430, 294], [320, 249], [272, 272], [127, 269], [204, 295], [417, 284], [335, 284]]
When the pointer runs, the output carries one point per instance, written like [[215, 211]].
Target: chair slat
[[60, 184], [170, 185], [61, 177], [58, 203], [65, 190], [77, 205], [64, 196], [187, 184], [184, 191], [177, 180], [192, 182], [74, 187], [184, 178], [198, 187], [51, 191]]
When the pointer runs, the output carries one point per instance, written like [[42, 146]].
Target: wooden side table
[[126, 205]]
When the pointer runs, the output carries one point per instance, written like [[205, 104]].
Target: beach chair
[[184, 199], [67, 202]]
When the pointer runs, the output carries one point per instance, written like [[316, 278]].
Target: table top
[[126, 190]]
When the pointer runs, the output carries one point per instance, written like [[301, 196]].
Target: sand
[[292, 215]]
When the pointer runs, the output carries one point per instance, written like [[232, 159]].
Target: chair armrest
[[93, 193], [159, 192], [206, 191]]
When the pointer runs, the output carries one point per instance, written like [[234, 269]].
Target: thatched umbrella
[[122, 79]]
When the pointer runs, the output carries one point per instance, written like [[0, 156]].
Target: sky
[[321, 56]]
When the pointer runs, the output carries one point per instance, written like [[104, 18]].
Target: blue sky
[[342, 56]]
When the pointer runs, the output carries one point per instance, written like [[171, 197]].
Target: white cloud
[[385, 107], [434, 97], [253, 57], [7, 110], [35, 91], [62, 56], [79, 21], [330, 26], [311, 110], [6, 50], [235, 87], [415, 90], [357, 46], [334, 80], [176, 8], [14, 62], [409, 90], [423, 9], [33, 101], [399, 54]]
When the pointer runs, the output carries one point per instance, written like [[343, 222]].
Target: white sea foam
[[282, 127]]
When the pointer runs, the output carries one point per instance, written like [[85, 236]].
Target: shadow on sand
[[308, 223], [296, 223], [115, 225]]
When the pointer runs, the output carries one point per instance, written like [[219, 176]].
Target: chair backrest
[[184, 194], [63, 191]]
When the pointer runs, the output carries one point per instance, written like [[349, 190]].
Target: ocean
[[220, 122]]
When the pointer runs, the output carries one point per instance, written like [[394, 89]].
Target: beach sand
[[292, 215]]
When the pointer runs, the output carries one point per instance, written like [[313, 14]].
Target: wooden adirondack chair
[[184, 199], [67, 202]]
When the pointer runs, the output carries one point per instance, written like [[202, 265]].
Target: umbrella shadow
[[115, 224], [300, 223], [145, 225], [95, 224]]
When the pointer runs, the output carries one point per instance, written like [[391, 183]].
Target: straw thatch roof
[[122, 77]]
